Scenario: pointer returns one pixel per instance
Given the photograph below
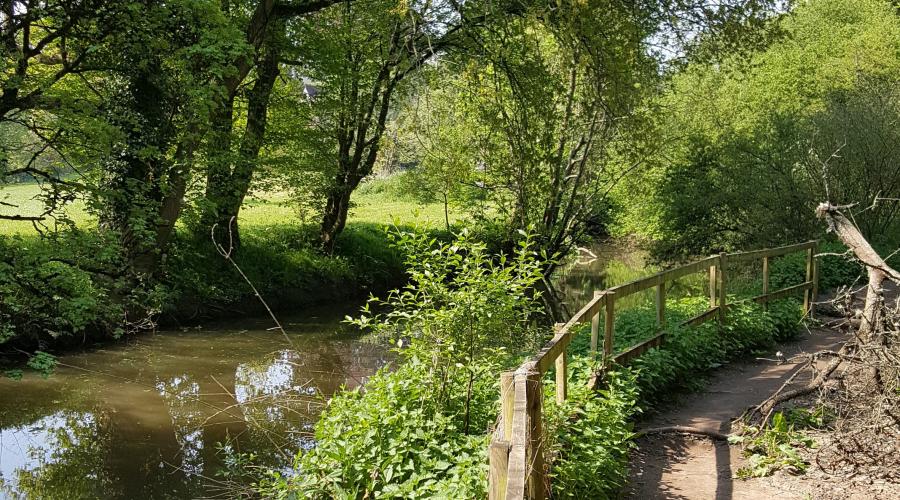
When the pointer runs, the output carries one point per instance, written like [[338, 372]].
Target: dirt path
[[684, 467]]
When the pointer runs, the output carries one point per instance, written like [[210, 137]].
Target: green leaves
[[778, 446]]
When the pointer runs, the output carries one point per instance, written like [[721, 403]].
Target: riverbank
[[63, 289]]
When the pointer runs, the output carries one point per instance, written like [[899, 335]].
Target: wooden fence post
[[610, 322], [519, 440], [507, 402], [595, 326], [808, 293], [498, 453], [562, 376], [498, 477], [723, 287], [661, 305], [815, 279], [537, 486], [765, 280], [713, 273]]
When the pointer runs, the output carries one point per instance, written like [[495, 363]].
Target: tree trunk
[[870, 327], [229, 182], [446, 212], [337, 206]]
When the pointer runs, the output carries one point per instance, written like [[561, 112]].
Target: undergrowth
[[778, 446]]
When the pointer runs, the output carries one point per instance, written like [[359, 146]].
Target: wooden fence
[[517, 468]]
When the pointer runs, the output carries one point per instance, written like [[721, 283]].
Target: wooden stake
[[815, 280], [507, 402], [661, 305], [562, 376], [498, 477], [610, 318], [537, 485], [723, 287], [807, 294], [765, 280], [595, 326]]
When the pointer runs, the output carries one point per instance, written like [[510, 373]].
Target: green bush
[[285, 265], [393, 440], [46, 297], [834, 269], [591, 434], [422, 430]]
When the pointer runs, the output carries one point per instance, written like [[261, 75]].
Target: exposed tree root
[[680, 429]]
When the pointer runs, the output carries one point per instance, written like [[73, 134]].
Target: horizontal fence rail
[[517, 468]]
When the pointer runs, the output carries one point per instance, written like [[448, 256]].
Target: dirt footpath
[[674, 466]]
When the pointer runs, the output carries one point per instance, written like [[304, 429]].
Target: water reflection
[[597, 267], [148, 426], [604, 265], [58, 453]]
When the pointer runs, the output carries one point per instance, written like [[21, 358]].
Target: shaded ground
[[673, 466]]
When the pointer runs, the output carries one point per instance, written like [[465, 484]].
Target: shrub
[[394, 440], [834, 269], [422, 430], [47, 297], [591, 434]]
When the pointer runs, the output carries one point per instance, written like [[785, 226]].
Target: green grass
[[377, 201], [26, 197]]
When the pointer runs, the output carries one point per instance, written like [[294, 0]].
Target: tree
[[358, 54], [233, 158], [445, 142], [754, 143], [552, 91]]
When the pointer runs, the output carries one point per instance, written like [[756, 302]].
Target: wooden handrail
[[516, 451]]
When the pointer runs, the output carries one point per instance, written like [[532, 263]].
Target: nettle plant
[[463, 309]]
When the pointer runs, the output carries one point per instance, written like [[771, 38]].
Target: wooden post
[[562, 376], [712, 286], [519, 440], [815, 279], [723, 287], [807, 294], [537, 486], [595, 326], [498, 477], [765, 281], [610, 322], [507, 402], [661, 305]]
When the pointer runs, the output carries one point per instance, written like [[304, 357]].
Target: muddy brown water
[[162, 415]]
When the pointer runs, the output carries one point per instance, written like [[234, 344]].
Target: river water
[[160, 416], [157, 417]]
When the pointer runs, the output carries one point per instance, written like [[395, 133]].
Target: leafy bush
[[834, 269], [394, 440], [47, 297], [592, 434], [422, 429], [284, 263]]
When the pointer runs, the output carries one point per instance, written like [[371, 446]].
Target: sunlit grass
[[375, 202], [27, 201]]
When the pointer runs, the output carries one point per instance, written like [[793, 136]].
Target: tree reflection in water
[[58, 456], [149, 424]]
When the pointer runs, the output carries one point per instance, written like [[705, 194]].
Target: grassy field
[[377, 201]]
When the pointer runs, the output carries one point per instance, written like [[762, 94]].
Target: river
[[160, 416]]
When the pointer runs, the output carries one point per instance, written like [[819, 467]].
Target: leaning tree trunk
[[878, 270]]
